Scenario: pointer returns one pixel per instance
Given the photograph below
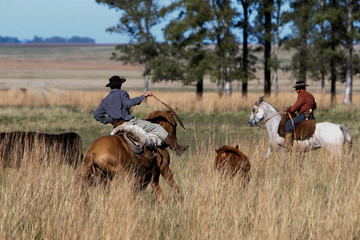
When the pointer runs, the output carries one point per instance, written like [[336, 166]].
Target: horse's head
[[225, 151], [257, 114], [166, 119]]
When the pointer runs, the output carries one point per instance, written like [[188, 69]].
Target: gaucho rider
[[115, 109], [305, 106]]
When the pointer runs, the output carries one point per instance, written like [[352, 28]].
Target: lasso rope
[[170, 108], [292, 121]]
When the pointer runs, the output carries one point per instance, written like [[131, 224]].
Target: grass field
[[291, 196]]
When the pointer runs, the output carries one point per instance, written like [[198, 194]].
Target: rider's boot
[[175, 146], [289, 141]]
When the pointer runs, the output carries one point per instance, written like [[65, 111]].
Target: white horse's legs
[[270, 150], [268, 153]]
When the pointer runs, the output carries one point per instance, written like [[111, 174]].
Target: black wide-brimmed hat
[[115, 81], [300, 84]]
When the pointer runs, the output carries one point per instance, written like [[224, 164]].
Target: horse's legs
[[163, 163], [156, 187], [268, 153]]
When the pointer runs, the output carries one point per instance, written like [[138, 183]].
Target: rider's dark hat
[[300, 85], [115, 81]]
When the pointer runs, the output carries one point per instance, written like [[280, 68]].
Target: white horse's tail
[[347, 135]]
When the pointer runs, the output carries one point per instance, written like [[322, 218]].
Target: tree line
[[213, 37], [54, 39]]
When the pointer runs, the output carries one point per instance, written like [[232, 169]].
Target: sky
[[24, 19]]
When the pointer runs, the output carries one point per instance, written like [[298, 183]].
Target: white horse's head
[[257, 114]]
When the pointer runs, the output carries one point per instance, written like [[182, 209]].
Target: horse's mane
[[272, 106], [160, 116], [261, 100]]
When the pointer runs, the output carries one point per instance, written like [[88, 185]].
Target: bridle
[[267, 119], [172, 126]]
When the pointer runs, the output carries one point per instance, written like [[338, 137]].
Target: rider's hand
[[147, 93]]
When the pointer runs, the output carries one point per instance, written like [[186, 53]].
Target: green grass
[[221, 127]]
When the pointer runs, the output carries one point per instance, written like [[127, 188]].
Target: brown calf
[[231, 161]]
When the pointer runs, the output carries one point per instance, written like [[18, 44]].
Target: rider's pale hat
[[300, 84], [115, 81]]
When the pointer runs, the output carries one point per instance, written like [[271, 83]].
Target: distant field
[[88, 68]]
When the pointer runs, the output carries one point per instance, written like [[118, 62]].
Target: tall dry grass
[[292, 196], [184, 101]]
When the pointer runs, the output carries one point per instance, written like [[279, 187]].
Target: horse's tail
[[347, 135], [86, 169], [83, 178]]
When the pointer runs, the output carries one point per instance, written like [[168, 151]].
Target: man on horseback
[[115, 109], [305, 105]]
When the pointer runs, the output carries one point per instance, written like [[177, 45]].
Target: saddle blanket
[[148, 139]]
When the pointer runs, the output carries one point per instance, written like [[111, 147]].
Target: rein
[[267, 119]]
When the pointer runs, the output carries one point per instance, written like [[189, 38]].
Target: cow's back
[[16, 147]]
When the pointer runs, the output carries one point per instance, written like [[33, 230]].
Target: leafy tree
[[248, 60], [352, 34], [336, 31], [9, 40], [320, 48], [137, 19], [268, 10], [77, 39], [264, 35], [37, 39], [277, 28], [333, 44], [187, 35], [223, 68], [301, 15], [55, 39]]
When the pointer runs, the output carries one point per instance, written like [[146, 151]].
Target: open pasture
[[62, 67], [291, 196]]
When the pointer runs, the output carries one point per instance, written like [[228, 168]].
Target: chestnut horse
[[231, 161], [110, 155]]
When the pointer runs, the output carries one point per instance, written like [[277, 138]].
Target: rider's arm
[[100, 115], [130, 102], [314, 106], [297, 105]]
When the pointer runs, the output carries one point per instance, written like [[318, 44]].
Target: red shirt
[[304, 102]]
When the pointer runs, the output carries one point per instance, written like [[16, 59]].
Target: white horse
[[329, 135]]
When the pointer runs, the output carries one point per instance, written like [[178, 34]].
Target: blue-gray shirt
[[116, 106]]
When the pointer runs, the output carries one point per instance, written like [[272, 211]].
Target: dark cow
[[230, 161], [17, 147]]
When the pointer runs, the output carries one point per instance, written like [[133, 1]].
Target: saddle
[[137, 138], [303, 131]]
